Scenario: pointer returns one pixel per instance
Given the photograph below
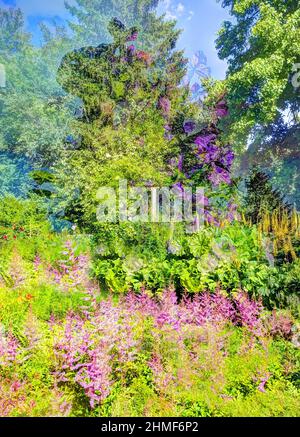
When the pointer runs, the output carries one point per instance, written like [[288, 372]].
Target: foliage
[[261, 47], [90, 21], [276, 155], [146, 319], [235, 256], [140, 356], [261, 197], [122, 133], [36, 135], [26, 216], [14, 179]]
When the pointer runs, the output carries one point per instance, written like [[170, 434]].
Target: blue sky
[[199, 19]]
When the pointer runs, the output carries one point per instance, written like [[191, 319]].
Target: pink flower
[[15, 386], [262, 384], [133, 36]]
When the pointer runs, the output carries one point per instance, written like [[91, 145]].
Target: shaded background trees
[[261, 45]]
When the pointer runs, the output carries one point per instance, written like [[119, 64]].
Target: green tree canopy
[[261, 46], [91, 18], [130, 97]]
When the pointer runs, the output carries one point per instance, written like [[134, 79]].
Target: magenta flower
[[262, 384], [221, 109], [227, 158], [131, 48], [133, 36]]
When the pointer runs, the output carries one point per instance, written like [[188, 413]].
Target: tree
[[261, 47], [275, 151], [262, 198], [130, 98], [12, 37], [35, 112], [90, 24]]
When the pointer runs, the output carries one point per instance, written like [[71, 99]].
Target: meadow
[[72, 348]]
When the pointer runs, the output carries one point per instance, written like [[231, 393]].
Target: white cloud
[[191, 14], [180, 8], [175, 10]]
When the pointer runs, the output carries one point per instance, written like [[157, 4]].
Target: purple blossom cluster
[[92, 351], [203, 308], [221, 109], [211, 159], [189, 127], [217, 159], [281, 325]]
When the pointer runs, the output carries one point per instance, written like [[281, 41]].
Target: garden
[[106, 311]]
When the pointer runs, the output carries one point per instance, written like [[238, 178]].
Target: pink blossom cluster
[[8, 349], [94, 351], [71, 270]]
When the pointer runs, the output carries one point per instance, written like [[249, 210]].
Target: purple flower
[[212, 154], [211, 219], [189, 127], [180, 163], [131, 48], [219, 175], [262, 384], [193, 170], [248, 312], [203, 141], [229, 158], [221, 112], [221, 109], [205, 201], [168, 136], [232, 213], [178, 187]]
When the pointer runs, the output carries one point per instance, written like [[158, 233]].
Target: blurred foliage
[[261, 197]]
